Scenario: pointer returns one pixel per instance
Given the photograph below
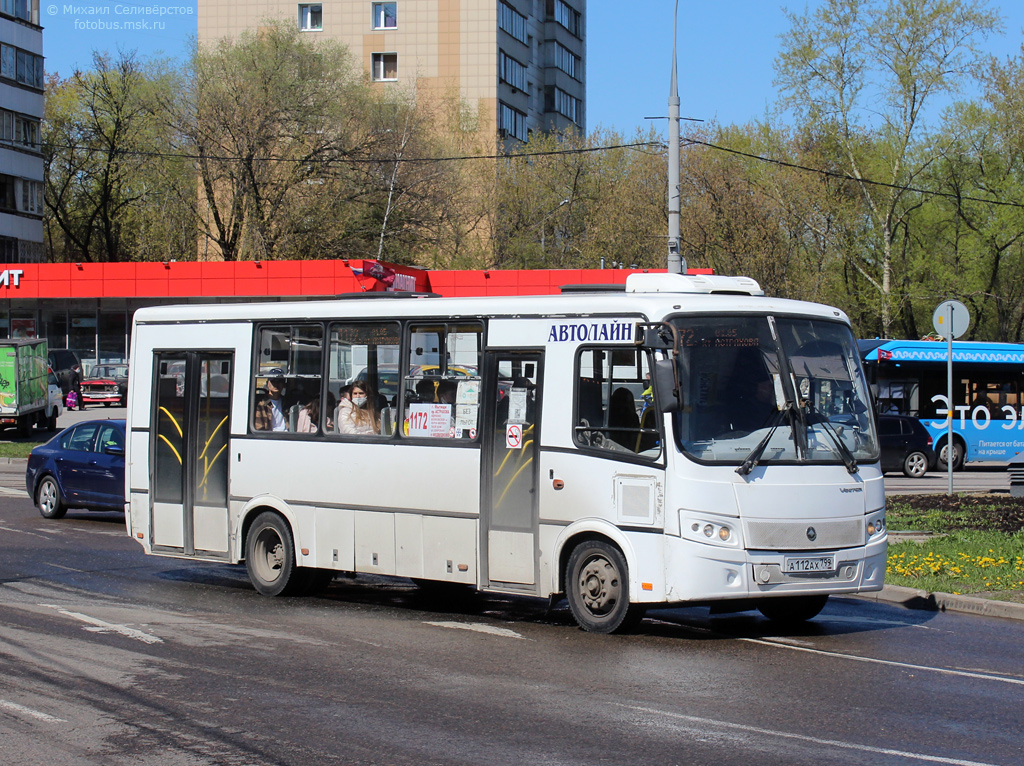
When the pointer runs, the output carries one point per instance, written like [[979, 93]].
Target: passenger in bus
[[754, 404], [426, 389], [309, 416], [358, 415], [269, 413], [446, 391], [623, 422]]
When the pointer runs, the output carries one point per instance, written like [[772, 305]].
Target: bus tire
[[791, 610], [597, 589], [958, 456], [270, 556], [48, 499]]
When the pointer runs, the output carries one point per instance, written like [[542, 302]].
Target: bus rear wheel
[[597, 589], [791, 610], [270, 556], [958, 456]]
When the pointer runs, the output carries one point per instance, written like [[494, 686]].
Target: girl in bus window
[[358, 414]]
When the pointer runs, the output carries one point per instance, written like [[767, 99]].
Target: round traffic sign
[[951, 319]]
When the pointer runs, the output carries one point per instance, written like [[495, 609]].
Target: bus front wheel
[[790, 610], [597, 589], [270, 556], [958, 456]]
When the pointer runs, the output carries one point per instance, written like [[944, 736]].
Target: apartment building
[[21, 110], [520, 63]]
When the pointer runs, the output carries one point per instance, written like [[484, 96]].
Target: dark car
[[906, 445], [81, 467], [107, 383], [61, 361]]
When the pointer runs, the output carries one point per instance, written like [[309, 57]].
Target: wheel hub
[[599, 585]]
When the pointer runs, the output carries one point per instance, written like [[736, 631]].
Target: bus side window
[[613, 398], [443, 381], [286, 380], [363, 361]]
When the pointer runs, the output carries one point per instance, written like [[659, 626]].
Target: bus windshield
[[759, 389]]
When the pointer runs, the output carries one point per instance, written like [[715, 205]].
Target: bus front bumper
[[697, 572]]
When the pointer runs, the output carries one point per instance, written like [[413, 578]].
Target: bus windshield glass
[[759, 389]]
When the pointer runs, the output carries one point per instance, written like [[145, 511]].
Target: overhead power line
[[848, 177], [341, 159], [639, 145]]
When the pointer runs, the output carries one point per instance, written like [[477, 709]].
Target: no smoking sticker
[[513, 436]]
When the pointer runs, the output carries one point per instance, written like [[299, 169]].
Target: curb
[[912, 598]]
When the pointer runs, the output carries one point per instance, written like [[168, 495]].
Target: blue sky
[[726, 50]]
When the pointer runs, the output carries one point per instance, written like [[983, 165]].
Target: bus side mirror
[[666, 387]]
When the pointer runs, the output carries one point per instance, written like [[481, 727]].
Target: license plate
[[795, 565]]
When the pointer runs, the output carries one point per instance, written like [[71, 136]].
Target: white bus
[[685, 440]]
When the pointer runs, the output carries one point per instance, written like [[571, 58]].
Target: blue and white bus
[[908, 377]]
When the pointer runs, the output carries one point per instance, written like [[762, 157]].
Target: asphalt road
[[111, 657]]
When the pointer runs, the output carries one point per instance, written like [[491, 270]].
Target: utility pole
[[676, 262]]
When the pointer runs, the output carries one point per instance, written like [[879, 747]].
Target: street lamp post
[[676, 262]]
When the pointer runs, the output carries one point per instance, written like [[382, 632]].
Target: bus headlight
[[704, 530], [876, 525]]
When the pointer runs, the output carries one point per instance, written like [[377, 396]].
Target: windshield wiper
[[844, 452], [754, 457]]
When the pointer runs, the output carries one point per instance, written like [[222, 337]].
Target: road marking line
[[24, 532], [99, 626], [805, 738], [894, 663], [477, 627], [12, 492], [16, 708]]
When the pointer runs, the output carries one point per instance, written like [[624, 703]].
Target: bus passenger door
[[510, 441], [190, 453]]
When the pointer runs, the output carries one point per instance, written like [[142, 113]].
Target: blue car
[[81, 467]]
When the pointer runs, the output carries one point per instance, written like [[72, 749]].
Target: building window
[[22, 66], [385, 15], [8, 200], [512, 21], [511, 71], [385, 66], [558, 100], [566, 60], [565, 15], [511, 122], [311, 17], [26, 10], [19, 129]]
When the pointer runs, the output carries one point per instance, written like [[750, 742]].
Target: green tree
[[864, 71], [103, 154], [273, 121]]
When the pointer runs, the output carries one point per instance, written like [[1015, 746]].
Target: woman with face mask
[[358, 414]]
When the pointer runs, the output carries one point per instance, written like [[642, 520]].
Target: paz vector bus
[[508, 444]]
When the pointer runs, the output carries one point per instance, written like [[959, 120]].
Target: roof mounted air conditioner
[[707, 284]]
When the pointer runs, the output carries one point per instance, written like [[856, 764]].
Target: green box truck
[[24, 392]]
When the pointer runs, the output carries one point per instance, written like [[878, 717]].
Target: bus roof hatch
[[692, 283]]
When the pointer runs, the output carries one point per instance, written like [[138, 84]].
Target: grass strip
[[970, 562], [978, 550], [15, 449]]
